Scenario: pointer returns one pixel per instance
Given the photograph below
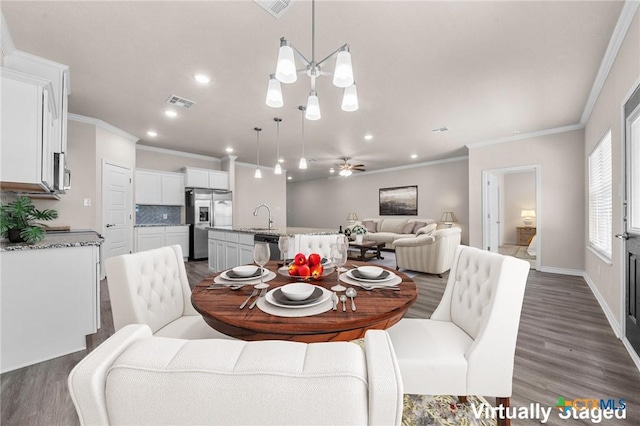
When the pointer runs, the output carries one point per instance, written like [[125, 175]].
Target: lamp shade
[[258, 174], [278, 169], [448, 217], [313, 107], [343, 74], [350, 99], [303, 163], [286, 67], [528, 213], [274, 93], [352, 217]]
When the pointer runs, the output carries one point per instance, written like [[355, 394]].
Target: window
[[600, 198]]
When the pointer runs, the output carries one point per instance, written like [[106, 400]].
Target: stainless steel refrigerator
[[206, 208]]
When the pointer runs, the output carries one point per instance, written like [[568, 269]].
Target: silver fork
[[253, 293], [380, 287], [217, 286], [262, 293]]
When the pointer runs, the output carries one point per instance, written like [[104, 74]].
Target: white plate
[[269, 298], [365, 280], [224, 275]]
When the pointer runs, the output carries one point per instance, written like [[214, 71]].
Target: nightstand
[[525, 234]]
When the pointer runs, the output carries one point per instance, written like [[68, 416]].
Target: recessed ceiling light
[[170, 113], [152, 133], [331, 170], [368, 137], [414, 155], [289, 178], [440, 129], [202, 78], [229, 149]]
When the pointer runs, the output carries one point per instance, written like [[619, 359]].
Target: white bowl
[[297, 291], [245, 270], [370, 271]]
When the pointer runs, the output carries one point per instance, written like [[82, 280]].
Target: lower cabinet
[[152, 237], [229, 249]]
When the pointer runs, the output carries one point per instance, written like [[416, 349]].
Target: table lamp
[[448, 218], [352, 217], [528, 215]]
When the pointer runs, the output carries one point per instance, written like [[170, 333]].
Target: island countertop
[[57, 240], [290, 231]]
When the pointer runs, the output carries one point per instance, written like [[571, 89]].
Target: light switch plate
[[87, 202]]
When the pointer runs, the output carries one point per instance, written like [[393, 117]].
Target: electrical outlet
[[87, 202], [164, 216]]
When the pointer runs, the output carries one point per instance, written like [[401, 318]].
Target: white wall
[[608, 277], [250, 192], [560, 157], [519, 194], [325, 203]]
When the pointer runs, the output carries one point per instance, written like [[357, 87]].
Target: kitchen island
[[50, 297], [229, 247]]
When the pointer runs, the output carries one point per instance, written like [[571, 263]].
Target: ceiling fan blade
[[357, 165], [359, 169]]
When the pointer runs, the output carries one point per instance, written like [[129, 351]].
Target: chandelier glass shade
[[286, 72]]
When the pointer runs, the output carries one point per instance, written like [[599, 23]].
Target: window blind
[[600, 197]]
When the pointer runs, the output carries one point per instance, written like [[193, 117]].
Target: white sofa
[[135, 378], [432, 254], [387, 230]]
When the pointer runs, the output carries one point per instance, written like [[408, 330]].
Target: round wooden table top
[[376, 309]]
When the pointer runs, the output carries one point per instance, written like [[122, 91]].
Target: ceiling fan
[[346, 168]]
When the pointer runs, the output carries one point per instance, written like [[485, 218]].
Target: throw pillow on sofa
[[370, 225], [428, 229], [416, 225], [408, 228]]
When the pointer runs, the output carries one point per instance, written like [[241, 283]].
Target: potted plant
[[18, 221], [359, 232]]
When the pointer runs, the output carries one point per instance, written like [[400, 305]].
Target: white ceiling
[[484, 69]]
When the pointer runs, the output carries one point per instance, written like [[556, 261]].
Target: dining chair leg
[[462, 399], [505, 402]]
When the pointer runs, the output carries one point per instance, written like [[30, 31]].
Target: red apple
[[293, 270], [300, 259], [316, 271], [314, 259], [304, 271]]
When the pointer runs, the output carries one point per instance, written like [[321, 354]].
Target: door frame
[[539, 220]]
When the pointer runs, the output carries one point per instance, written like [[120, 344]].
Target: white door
[[493, 213], [116, 210]]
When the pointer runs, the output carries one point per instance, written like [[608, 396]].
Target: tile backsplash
[[152, 215]]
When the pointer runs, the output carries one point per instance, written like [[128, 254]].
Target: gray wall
[[325, 203]]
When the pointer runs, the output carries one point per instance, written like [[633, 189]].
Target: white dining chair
[[467, 347], [151, 287]]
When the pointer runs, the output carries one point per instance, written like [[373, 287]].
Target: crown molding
[[404, 167], [6, 42], [617, 38], [537, 134], [106, 126], [176, 153]]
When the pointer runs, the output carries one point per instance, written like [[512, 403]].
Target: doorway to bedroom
[[511, 204]]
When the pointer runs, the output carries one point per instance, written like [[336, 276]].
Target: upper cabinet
[[159, 188], [205, 178]]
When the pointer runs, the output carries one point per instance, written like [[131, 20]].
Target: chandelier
[[286, 72]]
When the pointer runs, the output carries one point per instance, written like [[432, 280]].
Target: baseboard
[[634, 356], [563, 271], [615, 326]]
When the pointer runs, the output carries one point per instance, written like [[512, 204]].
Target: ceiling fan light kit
[[286, 72], [347, 169]]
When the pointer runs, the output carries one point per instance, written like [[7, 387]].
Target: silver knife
[[335, 301], [262, 293], [253, 293]]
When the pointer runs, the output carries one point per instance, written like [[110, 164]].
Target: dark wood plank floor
[[565, 348]]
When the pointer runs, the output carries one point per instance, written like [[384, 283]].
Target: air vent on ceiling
[[276, 8], [181, 102], [440, 129]]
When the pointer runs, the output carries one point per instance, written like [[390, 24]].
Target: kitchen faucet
[[255, 213]]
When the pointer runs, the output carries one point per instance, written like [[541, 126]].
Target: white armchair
[[134, 378], [432, 253], [151, 287], [468, 345]]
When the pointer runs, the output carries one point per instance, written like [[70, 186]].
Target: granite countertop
[[147, 225], [290, 231], [57, 240]]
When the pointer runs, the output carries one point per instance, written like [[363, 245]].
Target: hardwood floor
[[565, 348]]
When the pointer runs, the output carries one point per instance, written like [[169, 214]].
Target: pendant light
[[303, 161], [350, 98], [258, 174], [278, 169]]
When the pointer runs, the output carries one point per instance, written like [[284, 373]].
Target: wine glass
[[339, 258], [261, 255], [283, 245]]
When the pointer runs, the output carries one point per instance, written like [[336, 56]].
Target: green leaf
[[32, 234]]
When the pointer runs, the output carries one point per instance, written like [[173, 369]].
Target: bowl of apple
[[306, 268]]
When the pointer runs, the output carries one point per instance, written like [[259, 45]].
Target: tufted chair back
[[149, 287], [321, 244]]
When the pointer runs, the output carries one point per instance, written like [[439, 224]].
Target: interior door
[[493, 213], [116, 210], [631, 222]]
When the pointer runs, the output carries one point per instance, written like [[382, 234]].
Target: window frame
[[600, 197]]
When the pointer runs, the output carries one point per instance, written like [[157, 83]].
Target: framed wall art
[[399, 201]]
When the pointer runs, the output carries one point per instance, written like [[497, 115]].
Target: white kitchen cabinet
[[28, 117], [205, 178], [152, 237], [159, 188], [50, 303], [229, 249], [245, 247]]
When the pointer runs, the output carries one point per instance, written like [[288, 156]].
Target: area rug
[[442, 410]]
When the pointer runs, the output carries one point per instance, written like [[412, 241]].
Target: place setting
[[239, 276], [371, 278]]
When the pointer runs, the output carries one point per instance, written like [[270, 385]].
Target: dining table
[[379, 308]]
